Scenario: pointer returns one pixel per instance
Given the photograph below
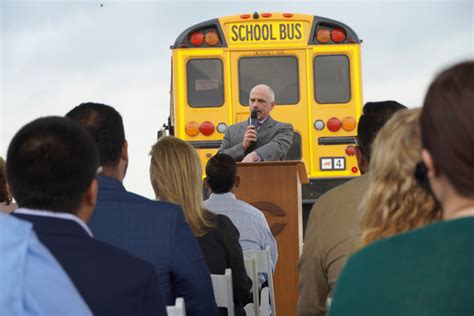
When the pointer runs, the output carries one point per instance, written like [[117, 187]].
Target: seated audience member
[[427, 271], [176, 177], [221, 178], [25, 267], [151, 230], [51, 169], [331, 231], [6, 204], [394, 202]]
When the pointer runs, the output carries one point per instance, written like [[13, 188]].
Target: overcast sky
[[58, 54]]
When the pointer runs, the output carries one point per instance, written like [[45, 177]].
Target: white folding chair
[[222, 286], [178, 309], [252, 309], [267, 304]]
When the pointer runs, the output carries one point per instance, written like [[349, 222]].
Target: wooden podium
[[275, 189]]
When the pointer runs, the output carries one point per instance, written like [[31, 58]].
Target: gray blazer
[[274, 139]]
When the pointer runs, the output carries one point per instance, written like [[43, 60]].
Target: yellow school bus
[[312, 63]]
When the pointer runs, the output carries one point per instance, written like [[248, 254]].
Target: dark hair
[[105, 125], [221, 171], [4, 195], [374, 117], [51, 163], [447, 128]]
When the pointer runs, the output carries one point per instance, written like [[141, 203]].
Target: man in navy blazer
[[152, 230], [51, 169]]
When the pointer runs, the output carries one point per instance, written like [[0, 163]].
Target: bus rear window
[[332, 79], [280, 73], [205, 85]]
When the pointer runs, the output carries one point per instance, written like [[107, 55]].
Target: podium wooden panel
[[275, 188]]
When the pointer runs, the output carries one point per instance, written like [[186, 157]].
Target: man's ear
[[361, 159], [273, 104], [124, 151], [91, 193], [428, 161], [205, 181], [236, 182], [88, 203]]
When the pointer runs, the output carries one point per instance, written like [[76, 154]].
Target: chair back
[[222, 286], [252, 309], [267, 305], [178, 309]]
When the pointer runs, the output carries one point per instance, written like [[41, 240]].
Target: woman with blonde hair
[[394, 202], [176, 177]]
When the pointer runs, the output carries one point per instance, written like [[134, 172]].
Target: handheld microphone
[[254, 122], [254, 119]]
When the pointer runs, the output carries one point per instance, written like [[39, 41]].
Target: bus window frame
[[350, 78], [223, 82], [273, 56]]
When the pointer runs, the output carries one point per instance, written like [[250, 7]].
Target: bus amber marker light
[[211, 38], [334, 124], [348, 123], [323, 35], [191, 128], [206, 128]]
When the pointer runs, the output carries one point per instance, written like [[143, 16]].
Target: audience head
[[4, 194], [105, 126], [447, 114], [52, 164], [176, 177], [374, 116], [447, 131], [221, 173], [393, 202]]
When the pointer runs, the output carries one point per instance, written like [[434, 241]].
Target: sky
[[57, 54]]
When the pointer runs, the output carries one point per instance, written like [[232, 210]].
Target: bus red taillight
[[350, 150], [287, 15], [323, 35], [191, 128], [211, 38], [206, 128], [338, 35], [197, 38], [266, 15], [245, 16], [334, 124]]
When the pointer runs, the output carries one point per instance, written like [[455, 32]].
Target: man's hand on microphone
[[250, 137]]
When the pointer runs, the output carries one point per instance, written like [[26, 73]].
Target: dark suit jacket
[[222, 250], [156, 232], [274, 139], [111, 281]]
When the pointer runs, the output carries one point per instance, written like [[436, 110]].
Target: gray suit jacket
[[274, 139]]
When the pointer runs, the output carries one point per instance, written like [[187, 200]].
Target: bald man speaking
[[260, 138]]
